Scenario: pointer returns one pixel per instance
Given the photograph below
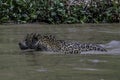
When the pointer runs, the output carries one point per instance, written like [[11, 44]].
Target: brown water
[[20, 65]]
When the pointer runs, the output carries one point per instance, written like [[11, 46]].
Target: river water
[[21, 65]]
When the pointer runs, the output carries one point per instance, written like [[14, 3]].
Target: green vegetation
[[59, 11], [19, 65]]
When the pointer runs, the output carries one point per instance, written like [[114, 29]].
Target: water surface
[[20, 65]]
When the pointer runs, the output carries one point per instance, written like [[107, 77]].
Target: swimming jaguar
[[47, 42]]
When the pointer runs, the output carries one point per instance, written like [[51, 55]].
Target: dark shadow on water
[[31, 57]]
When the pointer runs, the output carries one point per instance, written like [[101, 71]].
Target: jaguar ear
[[36, 36]]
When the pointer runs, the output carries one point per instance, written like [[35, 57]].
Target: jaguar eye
[[25, 39]]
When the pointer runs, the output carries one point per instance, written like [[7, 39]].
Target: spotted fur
[[46, 42]]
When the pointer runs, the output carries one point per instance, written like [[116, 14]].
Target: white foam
[[113, 47], [96, 60], [87, 69], [42, 70], [113, 44]]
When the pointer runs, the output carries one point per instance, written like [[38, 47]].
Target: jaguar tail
[[92, 47]]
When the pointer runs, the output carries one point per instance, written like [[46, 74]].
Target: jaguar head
[[36, 41], [29, 42]]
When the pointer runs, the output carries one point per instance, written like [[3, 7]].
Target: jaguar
[[48, 42]]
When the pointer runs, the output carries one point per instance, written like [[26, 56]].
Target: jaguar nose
[[22, 46]]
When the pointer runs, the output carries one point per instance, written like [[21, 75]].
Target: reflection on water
[[33, 58]]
